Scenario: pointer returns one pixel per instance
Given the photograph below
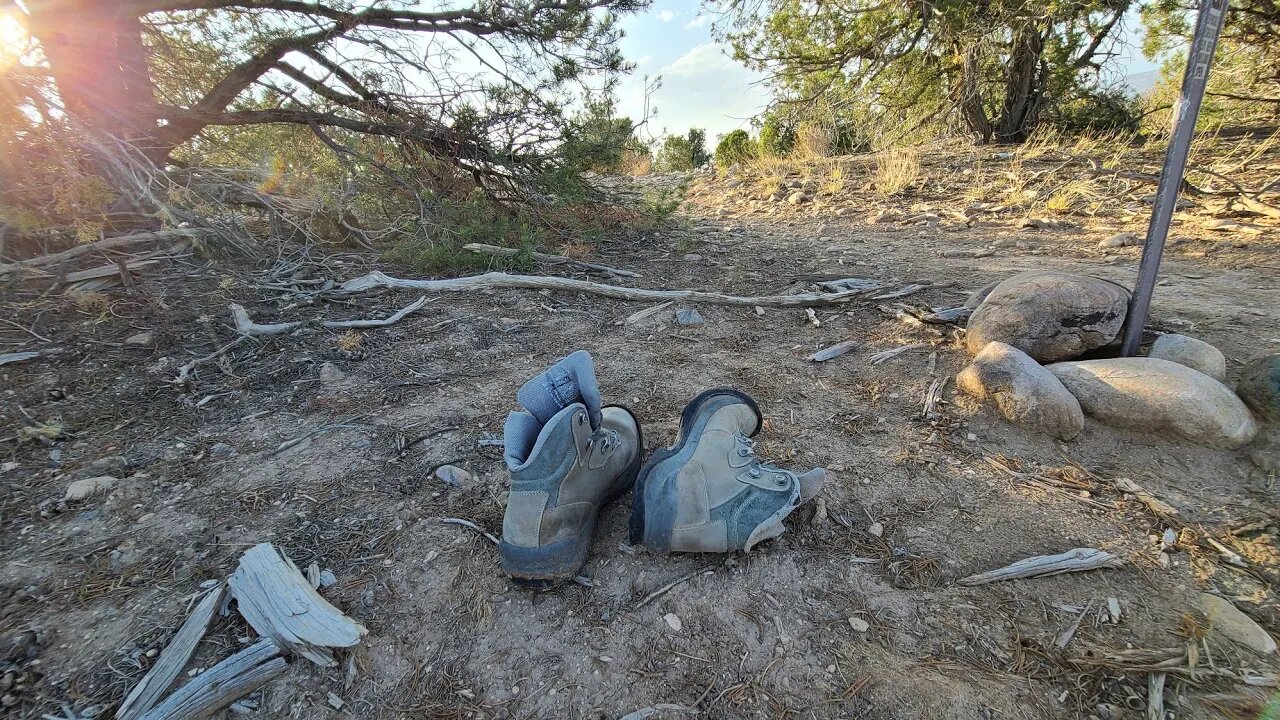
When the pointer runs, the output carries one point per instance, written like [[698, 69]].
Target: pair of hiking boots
[[569, 456]]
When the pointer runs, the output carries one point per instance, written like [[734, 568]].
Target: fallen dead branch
[[497, 280], [704, 570], [172, 659], [496, 251], [1077, 560], [472, 526], [247, 327], [184, 372], [108, 244], [279, 602]]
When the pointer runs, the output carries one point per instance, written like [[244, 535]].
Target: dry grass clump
[[896, 171]]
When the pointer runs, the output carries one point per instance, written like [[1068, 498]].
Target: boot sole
[[653, 511], [547, 566]]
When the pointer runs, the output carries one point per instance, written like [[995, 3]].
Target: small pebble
[[859, 625], [673, 621]]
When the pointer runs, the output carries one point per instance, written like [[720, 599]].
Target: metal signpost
[[1185, 112]]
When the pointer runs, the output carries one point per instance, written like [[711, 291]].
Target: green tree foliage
[[599, 139], [1244, 82], [377, 82], [777, 133], [992, 68], [734, 147], [683, 152]]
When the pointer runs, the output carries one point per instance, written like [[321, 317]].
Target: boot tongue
[[571, 380], [810, 483]]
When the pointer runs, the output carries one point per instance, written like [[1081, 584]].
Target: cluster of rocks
[[1027, 332]]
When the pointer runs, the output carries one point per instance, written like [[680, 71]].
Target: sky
[[702, 86]]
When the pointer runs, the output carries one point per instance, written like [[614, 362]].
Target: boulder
[[88, 487], [977, 296], [1024, 392], [1159, 396], [1259, 386], [1049, 315], [1124, 239], [1195, 354]]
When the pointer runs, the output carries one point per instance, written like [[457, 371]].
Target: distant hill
[[1143, 81]]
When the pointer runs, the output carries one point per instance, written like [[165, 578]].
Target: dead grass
[[896, 171]]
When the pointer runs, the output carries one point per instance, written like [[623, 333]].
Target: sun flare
[[13, 39]]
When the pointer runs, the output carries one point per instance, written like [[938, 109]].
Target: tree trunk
[[1024, 88], [95, 54], [970, 96]]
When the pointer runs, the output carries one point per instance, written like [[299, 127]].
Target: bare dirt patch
[[203, 476]]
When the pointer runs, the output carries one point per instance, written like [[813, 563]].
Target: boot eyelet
[[582, 419], [754, 473], [743, 453], [780, 480]]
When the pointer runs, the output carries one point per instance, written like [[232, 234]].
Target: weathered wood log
[[278, 601], [496, 251], [222, 684], [1077, 560], [108, 244], [498, 281], [172, 659]]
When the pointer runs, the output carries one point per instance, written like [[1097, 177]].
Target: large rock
[[1195, 354], [1049, 315], [1159, 396], [977, 296], [1259, 386], [1024, 392]]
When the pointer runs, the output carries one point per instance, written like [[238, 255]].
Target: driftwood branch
[[497, 280], [222, 684], [1077, 560], [246, 326], [496, 251], [278, 601], [173, 659], [107, 244]]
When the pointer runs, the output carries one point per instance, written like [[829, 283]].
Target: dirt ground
[[89, 588]]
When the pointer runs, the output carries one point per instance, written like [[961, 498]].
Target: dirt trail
[[763, 635]]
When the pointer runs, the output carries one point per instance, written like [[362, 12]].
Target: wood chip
[[1077, 560], [834, 351], [7, 358], [279, 602]]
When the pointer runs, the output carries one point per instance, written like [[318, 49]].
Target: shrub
[[734, 148], [1100, 110], [777, 134]]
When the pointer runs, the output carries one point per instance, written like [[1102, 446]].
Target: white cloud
[[644, 60], [666, 16], [697, 22], [702, 88], [704, 58]]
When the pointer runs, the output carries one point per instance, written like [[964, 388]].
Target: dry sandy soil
[[89, 588]]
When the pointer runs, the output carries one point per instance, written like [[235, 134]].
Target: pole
[[1185, 112]]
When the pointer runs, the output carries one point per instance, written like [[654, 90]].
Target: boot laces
[[757, 467]]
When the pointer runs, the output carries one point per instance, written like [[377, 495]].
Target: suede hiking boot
[[568, 457], [708, 492]]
